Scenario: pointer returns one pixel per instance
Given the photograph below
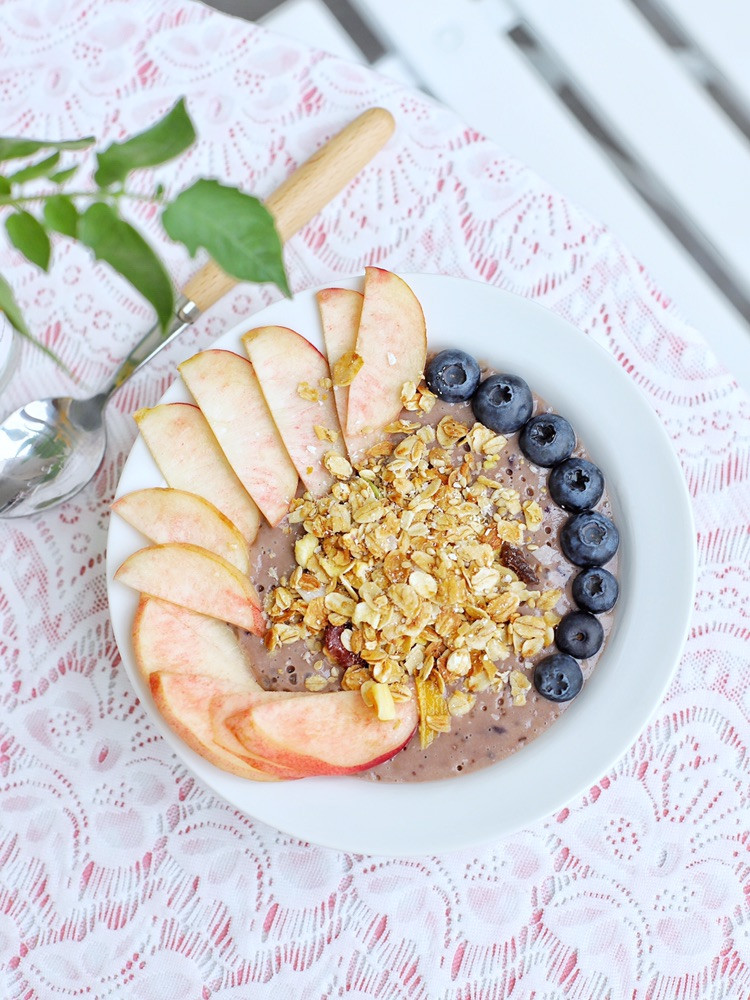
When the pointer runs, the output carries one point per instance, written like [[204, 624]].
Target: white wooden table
[[638, 110]]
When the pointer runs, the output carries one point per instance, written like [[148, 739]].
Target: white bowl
[[656, 569]]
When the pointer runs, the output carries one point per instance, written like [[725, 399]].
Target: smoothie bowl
[[419, 577]]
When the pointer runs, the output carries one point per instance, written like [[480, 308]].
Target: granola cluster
[[415, 565]]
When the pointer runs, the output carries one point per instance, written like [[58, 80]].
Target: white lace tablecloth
[[120, 875]]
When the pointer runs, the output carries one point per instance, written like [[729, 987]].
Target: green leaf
[[123, 248], [28, 235], [41, 169], [61, 215], [235, 228], [10, 307], [63, 175], [163, 141], [4, 186], [15, 149]]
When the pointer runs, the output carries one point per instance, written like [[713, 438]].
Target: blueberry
[[503, 403], [589, 539], [595, 590], [576, 484], [579, 634], [547, 439], [452, 376], [558, 677]]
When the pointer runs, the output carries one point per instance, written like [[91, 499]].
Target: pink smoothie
[[495, 727]]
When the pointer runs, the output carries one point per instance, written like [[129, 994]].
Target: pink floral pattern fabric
[[120, 875]]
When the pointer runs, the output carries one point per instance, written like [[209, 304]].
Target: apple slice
[[183, 701], [226, 389], [195, 579], [169, 515], [329, 733], [340, 310], [224, 704], [169, 637], [189, 458], [293, 376], [392, 342]]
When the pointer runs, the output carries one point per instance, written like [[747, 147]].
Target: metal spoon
[[51, 448]]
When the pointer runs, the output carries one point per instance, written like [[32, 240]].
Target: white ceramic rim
[[657, 567]]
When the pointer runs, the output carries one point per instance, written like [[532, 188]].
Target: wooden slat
[[393, 66], [661, 113], [722, 29], [461, 53], [311, 22]]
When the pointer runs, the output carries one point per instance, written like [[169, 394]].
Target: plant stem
[[99, 195]]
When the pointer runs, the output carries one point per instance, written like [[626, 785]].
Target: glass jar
[[10, 346]]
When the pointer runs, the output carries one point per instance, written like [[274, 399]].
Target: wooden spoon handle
[[306, 192]]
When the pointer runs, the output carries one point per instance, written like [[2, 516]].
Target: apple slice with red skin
[[169, 515], [223, 705], [226, 389], [203, 687], [328, 733], [169, 637], [340, 310], [195, 579], [204, 712], [283, 362], [182, 445], [392, 341], [171, 640], [183, 701]]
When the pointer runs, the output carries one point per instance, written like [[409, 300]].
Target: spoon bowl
[[49, 449]]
